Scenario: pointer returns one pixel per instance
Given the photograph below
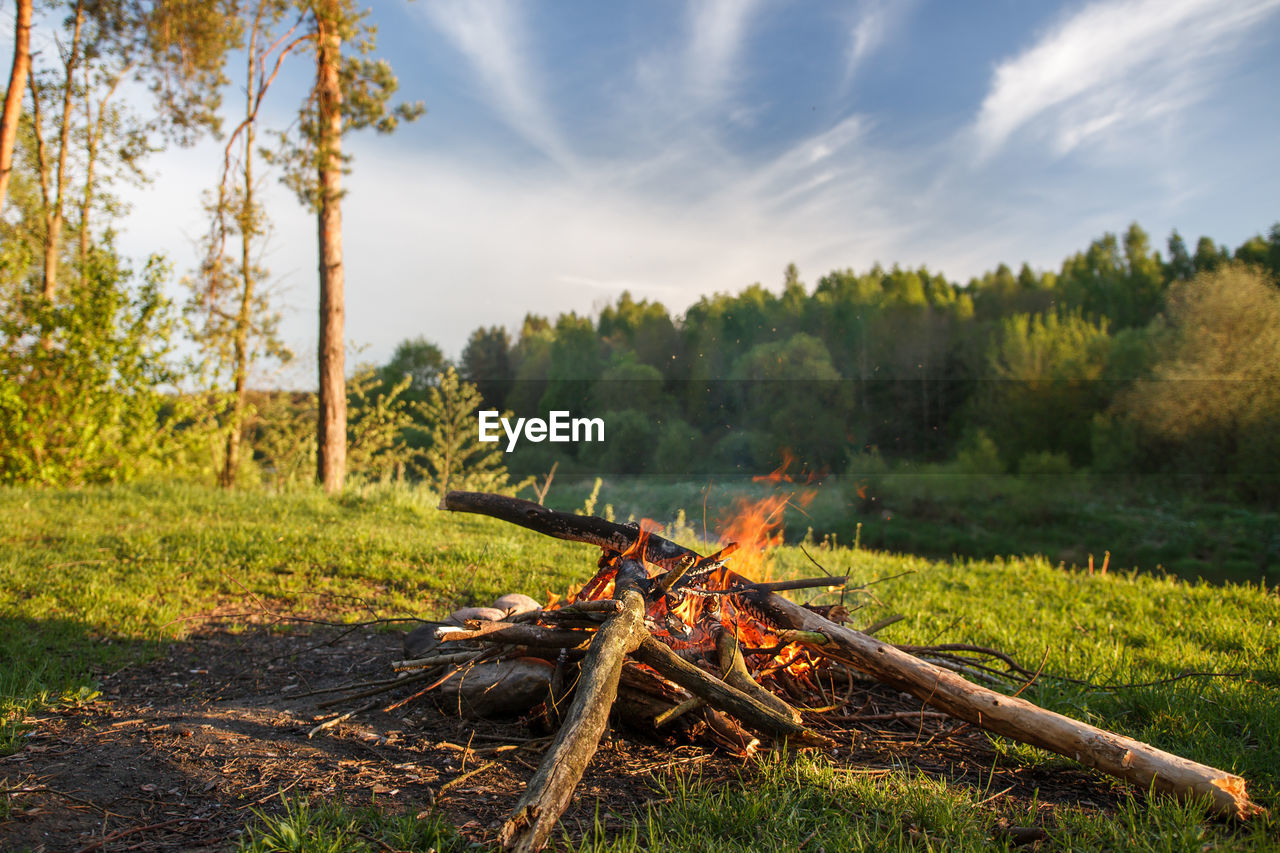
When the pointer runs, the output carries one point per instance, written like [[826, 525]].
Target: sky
[[574, 150]]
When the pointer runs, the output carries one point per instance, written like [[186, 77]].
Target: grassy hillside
[[92, 579]]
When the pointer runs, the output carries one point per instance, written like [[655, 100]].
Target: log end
[[1230, 798]]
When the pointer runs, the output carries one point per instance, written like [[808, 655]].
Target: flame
[[756, 527], [685, 620]]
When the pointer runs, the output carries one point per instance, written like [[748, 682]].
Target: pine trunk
[[331, 449], [54, 216], [13, 98]]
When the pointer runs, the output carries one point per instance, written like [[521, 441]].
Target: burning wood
[[675, 640]]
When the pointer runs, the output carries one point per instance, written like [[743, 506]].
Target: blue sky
[[572, 150]]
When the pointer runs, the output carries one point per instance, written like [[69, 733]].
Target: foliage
[[282, 433], [1213, 400], [376, 426], [486, 363], [1044, 385], [979, 456], [84, 399], [418, 360], [455, 458]]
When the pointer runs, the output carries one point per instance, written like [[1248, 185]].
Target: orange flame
[[692, 621], [756, 526]]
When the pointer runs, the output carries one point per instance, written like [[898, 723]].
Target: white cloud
[[491, 35], [869, 30], [1113, 66], [717, 31]]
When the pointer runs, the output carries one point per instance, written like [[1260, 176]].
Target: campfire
[[668, 640]]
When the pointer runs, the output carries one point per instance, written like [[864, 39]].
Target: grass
[[330, 828], [92, 579]]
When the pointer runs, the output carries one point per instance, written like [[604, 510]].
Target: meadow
[[94, 580]]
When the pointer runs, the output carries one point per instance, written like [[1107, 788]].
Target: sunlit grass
[[93, 579]]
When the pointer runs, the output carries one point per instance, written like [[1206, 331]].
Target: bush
[[979, 456], [1044, 462], [91, 388]]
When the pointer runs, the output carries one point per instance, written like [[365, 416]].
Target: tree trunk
[[54, 215], [244, 315], [331, 438], [13, 98]]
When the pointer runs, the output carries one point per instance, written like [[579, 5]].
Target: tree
[[1043, 387], [350, 92], [1213, 401], [455, 458], [486, 363], [380, 417], [176, 48], [83, 400], [1179, 267], [1209, 256], [419, 360], [238, 325], [13, 97], [1122, 283]]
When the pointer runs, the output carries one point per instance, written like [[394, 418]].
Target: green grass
[[331, 828], [92, 579]]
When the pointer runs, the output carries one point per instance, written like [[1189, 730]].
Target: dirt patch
[[178, 753]]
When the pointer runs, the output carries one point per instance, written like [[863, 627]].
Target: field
[[138, 623]]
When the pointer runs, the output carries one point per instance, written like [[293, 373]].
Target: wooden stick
[[800, 583], [734, 669], [549, 791], [520, 634], [1120, 756], [723, 696]]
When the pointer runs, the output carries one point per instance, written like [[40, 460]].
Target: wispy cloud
[[872, 23], [717, 30], [491, 35], [1112, 66]]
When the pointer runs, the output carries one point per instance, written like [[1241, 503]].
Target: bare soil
[[178, 753]]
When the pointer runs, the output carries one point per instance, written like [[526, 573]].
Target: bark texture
[[331, 437], [13, 97]]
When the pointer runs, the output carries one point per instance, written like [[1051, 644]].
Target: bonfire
[[666, 639]]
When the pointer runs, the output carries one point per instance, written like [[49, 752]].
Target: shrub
[[1044, 462]]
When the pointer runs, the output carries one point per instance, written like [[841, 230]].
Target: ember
[[681, 644]]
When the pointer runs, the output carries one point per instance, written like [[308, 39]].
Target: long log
[[549, 791], [563, 525], [1120, 756]]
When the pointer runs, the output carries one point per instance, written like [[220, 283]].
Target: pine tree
[[455, 457]]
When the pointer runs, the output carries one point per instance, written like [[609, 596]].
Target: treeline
[[1125, 360]]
